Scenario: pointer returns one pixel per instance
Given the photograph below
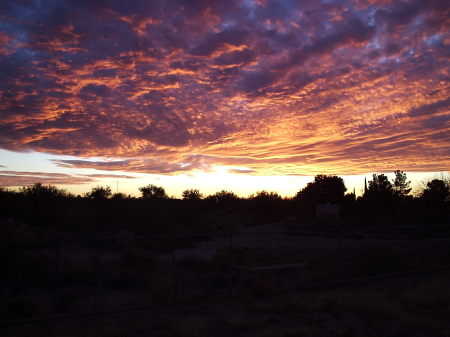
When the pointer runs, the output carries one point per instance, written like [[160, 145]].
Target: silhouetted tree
[[192, 194], [324, 188], [99, 192], [153, 192], [223, 197], [379, 195], [436, 192], [400, 185], [380, 185], [40, 191], [264, 201], [119, 196], [264, 195]]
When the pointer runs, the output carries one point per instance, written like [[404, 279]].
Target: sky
[[238, 95]]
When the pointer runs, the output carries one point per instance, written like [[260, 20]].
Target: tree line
[[323, 189], [383, 201]]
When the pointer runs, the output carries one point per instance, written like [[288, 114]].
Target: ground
[[405, 306]]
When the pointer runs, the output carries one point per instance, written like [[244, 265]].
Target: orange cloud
[[344, 88]]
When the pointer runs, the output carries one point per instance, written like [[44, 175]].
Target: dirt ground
[[414, 305], [405, 306]]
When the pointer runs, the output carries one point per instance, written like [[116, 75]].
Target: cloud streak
[[275, 87], [22, 178]]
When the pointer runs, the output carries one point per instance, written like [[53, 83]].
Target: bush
[[378, 260], [22, 308], [264, 286], [187, 329]]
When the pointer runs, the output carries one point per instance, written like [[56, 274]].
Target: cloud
[[22, 178], [113, 176], [13, 179], [243, 170], [135, 165], [277, 87]]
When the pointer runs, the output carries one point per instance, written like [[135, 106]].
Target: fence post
[[340, 254], [231, 262], [56, 278], [95, 275]]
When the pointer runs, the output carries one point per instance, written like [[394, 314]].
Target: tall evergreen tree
[[380, 185], [400, 184], [379, 193]]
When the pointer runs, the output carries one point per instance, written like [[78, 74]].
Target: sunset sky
[[239, 95]]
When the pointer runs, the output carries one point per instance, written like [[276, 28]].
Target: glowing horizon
[[236, 93]]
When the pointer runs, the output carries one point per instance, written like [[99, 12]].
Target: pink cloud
[[277, 87]]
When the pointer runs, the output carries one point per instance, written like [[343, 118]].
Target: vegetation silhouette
[[380, 194], [223, 198], [123, 264], [192, 194], [99, 192], [40, 191], [324, 189], [153, 192], [401, 185], [436, 193], [50, 210]]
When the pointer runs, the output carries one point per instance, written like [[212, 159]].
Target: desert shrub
[[221, 260], [193, 328], [131, 270], [169, 244], [242, 323], [429, 297], [73, 272], [67, 301], [264, 286], [136, 260], [29, 268], [291, 306], [378, 260], [107, 332], [194, 263], [22, 308], [124, 280], [301, 332], [163, 288]]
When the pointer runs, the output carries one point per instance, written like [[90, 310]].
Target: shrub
[[264, 286], [22, 308], [378, 260], [187, 329]]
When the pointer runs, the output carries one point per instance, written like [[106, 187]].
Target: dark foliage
[[401, 186], [153, 192], [436, 192], [379, 196], [324, 189], [100, 192], [192, 194], [39, 191], [223, 198], [43, 211]]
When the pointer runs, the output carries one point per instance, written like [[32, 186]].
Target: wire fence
[[64, 277]]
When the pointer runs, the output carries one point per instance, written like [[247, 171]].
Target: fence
[[77, 276]]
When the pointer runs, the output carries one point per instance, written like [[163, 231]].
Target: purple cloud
[[311, 84]]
